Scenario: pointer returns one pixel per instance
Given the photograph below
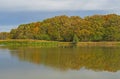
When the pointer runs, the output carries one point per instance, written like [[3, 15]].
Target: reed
[[29, 43], [42, 43]]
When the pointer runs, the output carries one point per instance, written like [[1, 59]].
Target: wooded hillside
[[64, 28]]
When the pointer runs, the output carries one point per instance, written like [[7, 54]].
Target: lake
[[60, 63]]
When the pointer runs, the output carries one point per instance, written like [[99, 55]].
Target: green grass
[[29, 43], [42, 43]]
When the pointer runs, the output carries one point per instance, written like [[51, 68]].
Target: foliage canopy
[[63, 28]]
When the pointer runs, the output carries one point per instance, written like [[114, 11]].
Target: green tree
[[75, 39], [4, 35]]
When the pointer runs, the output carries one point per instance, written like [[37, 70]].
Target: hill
[[64, 28]]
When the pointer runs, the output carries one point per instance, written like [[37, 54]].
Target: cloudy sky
[[15, 12]]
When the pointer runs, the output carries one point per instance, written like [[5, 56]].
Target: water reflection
[[97, 59]]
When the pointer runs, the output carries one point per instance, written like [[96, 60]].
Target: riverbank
[[89, 44], [42, 43]]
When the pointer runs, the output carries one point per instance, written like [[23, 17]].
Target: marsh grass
[[29, 43], [42, 43]]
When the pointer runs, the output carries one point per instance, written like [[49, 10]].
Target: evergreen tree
[[75, 39]]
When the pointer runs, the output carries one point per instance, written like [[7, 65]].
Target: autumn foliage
[[63, 28]]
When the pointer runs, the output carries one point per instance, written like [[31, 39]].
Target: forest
[[69, 28]]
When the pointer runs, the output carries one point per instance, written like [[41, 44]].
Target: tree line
[[69, 28]]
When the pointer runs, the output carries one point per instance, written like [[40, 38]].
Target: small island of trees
[[69, 29]]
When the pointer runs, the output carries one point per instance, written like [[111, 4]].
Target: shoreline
[[43, 43]]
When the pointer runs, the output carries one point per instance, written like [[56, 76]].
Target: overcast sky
[[15, 12]]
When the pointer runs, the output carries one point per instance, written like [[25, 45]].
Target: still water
[[60, 63]]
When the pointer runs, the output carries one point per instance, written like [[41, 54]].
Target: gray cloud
[[53, 5]]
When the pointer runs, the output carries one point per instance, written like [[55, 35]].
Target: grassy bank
[[39, 43], [42, 43], [89, 44]]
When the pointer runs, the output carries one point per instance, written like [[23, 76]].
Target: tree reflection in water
[[94, 58]]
